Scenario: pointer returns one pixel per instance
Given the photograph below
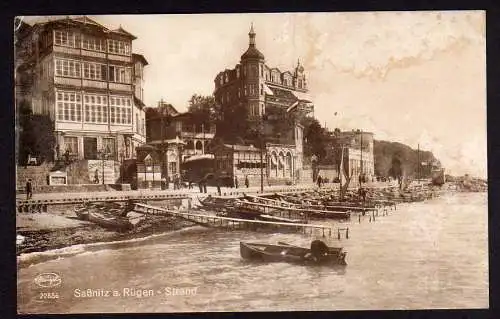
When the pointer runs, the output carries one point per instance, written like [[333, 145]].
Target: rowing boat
[[318, 254]]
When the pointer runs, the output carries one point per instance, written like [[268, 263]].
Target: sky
[[413, 77]]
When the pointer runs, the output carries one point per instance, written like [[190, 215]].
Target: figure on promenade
[[319, 180], [236, 181], [96, 176], [29, 189], [218, 187], [168, 182], [247, 183]]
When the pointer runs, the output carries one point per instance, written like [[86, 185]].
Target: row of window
[[76, 40], [71, 145], [270, 76], [93, 71], [69, 108], [248, 90]]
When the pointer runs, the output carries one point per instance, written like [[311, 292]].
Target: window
[[137, 123], [69, 106], [120, 110], [96, 108], [261, 89], [93, 71], [64, 38], [71, 144], [119, 74], [119, 47], [68, 68], [108, 145], [95, 44], [237, 72]]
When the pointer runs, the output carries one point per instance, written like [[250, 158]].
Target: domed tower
[[299, 78], [252, 64]]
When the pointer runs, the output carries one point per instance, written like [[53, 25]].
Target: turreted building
[[265, 97]]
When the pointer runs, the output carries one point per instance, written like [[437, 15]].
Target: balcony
[[66, 50], [120, 87], [121, 58], [94, 54], [94, 84], [59, 80]]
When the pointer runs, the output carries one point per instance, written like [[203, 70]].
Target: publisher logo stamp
[[48, 280]]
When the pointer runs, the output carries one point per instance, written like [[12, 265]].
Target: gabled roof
[[124, 32]]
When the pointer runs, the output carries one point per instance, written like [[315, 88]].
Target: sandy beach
[[61, 228]]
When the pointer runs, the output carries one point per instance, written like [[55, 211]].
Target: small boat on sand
[[104, 215], [318, 254]]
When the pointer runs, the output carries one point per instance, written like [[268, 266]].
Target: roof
[[81, 20], [237, 147], [124, 32], [252, 52], [140, 57], [282, 93]]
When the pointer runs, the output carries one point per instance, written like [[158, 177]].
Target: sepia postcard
[[251, 162]]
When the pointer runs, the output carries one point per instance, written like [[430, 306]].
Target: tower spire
[[251, 36]]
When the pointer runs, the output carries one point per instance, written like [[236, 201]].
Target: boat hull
[[290, 254]]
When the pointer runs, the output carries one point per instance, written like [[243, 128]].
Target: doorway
[[90, 148]]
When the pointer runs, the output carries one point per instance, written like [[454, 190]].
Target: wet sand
[[61, 228]]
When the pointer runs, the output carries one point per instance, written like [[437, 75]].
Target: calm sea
[[432, 254]]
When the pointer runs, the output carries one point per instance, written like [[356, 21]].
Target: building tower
[[252, 64]]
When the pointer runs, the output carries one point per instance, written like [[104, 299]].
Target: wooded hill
[[386, 153]]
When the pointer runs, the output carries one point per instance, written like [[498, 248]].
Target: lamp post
[[261, 137], [103, 154], [122, 156]]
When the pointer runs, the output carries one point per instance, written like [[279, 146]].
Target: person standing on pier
[[247, 183], [218, 186], [29, 189]]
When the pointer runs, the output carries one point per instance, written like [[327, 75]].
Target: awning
[[199, 157], [268, 90], [303, 97]]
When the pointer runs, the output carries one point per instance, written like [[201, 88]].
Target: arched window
[[199, 145]]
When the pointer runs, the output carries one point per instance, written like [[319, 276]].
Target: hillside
[[385, 152]]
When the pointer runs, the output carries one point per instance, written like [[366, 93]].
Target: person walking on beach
[[247, 183], [29, 189]]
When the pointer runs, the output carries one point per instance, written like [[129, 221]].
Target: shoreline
[[60, 228]]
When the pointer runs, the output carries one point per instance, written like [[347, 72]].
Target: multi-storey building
[[86, 78], [267, 94], [178, 135], [358, 154]]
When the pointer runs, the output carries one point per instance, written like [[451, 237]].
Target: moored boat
[[318, 254]]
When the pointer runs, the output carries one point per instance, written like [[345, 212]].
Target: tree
[[315, 143], [37, 135], [204, 109]]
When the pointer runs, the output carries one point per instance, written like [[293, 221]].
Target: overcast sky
[[412, 77]]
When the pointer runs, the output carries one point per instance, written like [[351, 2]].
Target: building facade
[[268, 96], [85, 77], [358, 154], [178, 135]]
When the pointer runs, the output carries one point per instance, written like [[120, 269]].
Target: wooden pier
[[42, 204], [243, 224]]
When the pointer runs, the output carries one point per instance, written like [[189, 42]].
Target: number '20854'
[[48, 295]]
